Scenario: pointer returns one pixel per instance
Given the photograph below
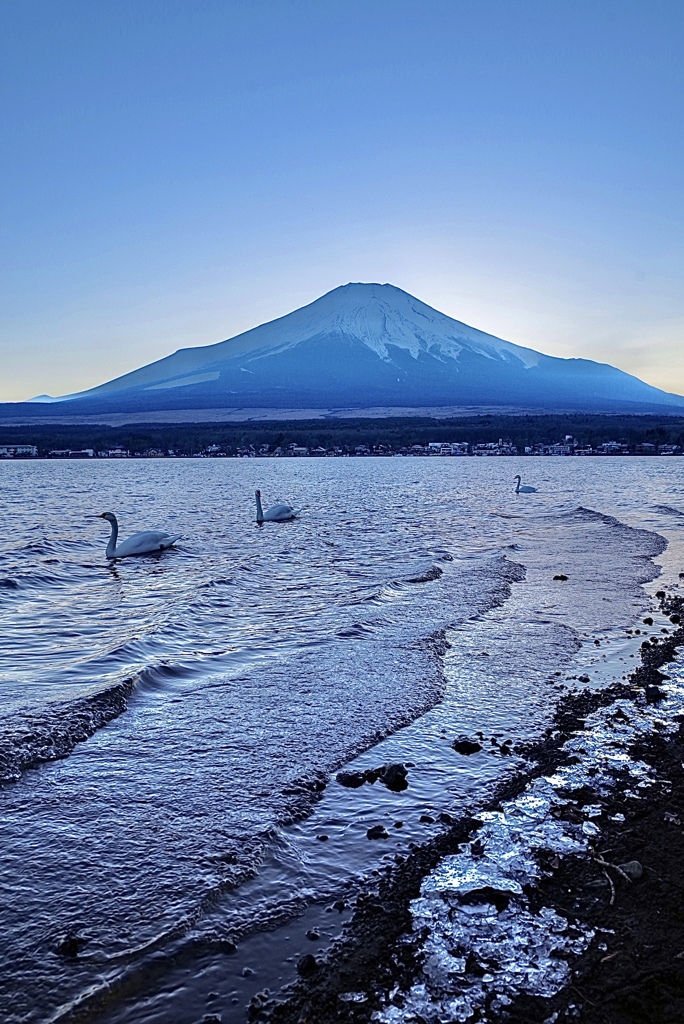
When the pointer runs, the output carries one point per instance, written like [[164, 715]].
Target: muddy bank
[[629, 970]]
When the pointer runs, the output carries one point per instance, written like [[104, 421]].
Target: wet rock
[[676, 619], [398, 824], [464, 745], [247, 972], [487, 894], [391, 775], [313, 934], [394, 777], [633, 869], [446, 818], [351, 779], [70, 944], [323, 837], [307, 964], [584, 679], [654, 694], [339, 906], [648, 621], [377, 832], [226, 946], [211, 1018], [427, 819], [560, 576]]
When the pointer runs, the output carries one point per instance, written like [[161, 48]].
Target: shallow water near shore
[[261, 660]]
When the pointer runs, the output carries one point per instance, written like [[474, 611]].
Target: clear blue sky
[[175, 172]]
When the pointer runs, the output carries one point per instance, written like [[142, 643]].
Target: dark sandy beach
[[625, 890]]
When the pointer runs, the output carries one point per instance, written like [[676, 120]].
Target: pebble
[[377, 832], [351, 779], [633, 869], [70, 944], [464, 745], [307, 964]]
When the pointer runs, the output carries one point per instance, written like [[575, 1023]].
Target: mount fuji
[[363, 347]]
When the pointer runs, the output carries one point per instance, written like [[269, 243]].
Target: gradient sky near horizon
[[176, 171]]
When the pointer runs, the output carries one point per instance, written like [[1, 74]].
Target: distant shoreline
[[483, 435]]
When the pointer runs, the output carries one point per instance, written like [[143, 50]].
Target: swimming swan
[[523, 488], [275, 514], [139, 543]]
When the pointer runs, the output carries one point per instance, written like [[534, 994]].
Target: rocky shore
[[559, 902]]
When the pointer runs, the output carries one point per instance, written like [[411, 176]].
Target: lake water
[[199, 700]]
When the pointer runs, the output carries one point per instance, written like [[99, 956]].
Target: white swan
[[523, 488], [139, 544], [275, 514]]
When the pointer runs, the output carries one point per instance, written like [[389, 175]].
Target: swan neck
[[111, 546], [260, 511]]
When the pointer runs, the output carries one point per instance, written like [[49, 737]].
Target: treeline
[[395, 433]]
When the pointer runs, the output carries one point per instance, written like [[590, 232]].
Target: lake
[[171, 724]]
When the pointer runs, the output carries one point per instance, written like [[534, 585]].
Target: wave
[[668, 510], [648, 542], [30, 739]]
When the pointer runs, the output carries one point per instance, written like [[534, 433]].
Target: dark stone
[[463, 745], [377, 832], [633, 869], [307, 964], [560, 576], [339, 906], [394, 777], [474, 967], [351, 779], [446, 818], [322, 837], [584, 679], [654, 694], [486, 894], [427, 819], [211, 1018], [70, 944], [313, 934], [648, 621], [227, 946]]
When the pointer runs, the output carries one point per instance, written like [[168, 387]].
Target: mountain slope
[[370, 345]]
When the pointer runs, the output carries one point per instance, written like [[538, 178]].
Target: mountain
[[364, 346]]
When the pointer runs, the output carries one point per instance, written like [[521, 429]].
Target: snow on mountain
[[380, 316]]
